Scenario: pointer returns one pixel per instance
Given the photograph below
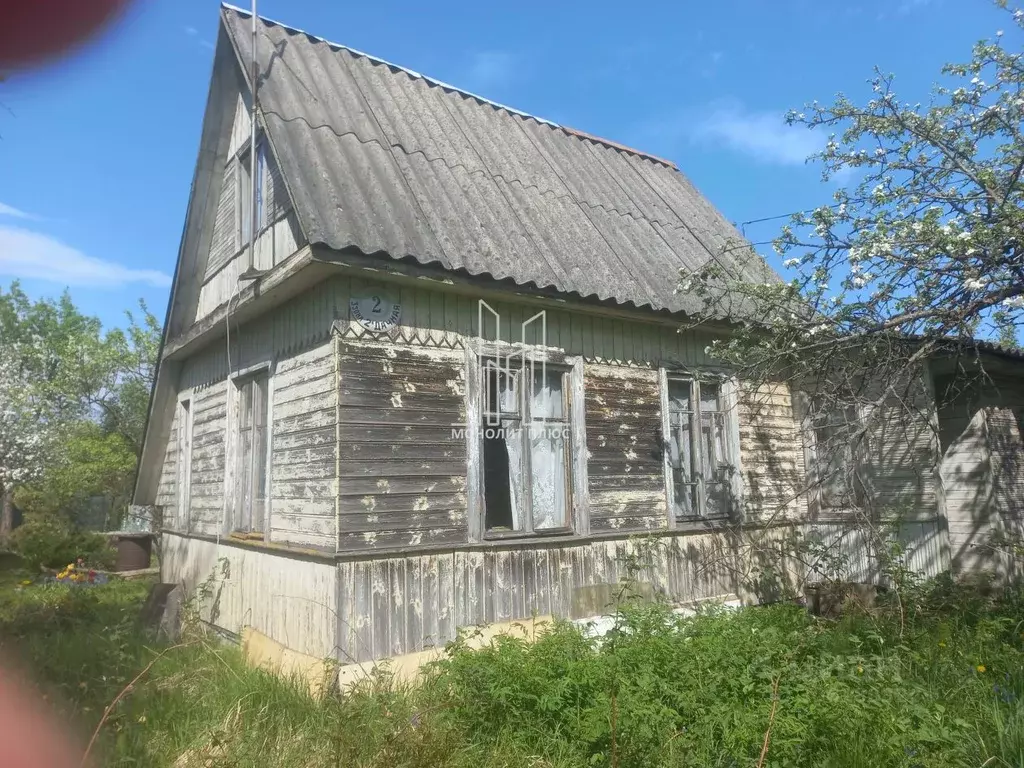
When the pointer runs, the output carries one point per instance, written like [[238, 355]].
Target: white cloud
[[28, 254], [194, 33], [762, 135], [10, 210], [490, 69]]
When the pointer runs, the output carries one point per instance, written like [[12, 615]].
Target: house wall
[[982, 467], [290, 599], [364, 463]]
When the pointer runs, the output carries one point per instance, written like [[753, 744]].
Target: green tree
[[73, 401]]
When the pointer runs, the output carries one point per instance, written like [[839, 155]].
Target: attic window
[[244, 196]]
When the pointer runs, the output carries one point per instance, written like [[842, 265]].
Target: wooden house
[[452, 381]]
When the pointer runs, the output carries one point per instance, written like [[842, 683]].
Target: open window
[[250, 452], [701, 450], [525, 436]]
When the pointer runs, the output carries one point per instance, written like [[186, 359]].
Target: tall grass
[[662, 690]]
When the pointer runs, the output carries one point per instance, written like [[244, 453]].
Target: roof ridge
[[448, 86]]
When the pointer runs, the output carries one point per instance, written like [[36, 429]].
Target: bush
[[49, 541]]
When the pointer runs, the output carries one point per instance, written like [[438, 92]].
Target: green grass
[[661, 691]]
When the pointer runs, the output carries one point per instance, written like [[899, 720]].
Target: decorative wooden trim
[[666, 461], [694, 528], [257, 545], [336, 348], [474, 455], [580, 482]]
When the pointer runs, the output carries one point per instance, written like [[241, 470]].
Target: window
[[526, 448], [830, 456], [700, 449], [244, 195], [250, 450], [184, 462]]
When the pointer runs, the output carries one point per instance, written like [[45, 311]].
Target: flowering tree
[[922, 254], [73, 401], [21, 443], [929, 243]]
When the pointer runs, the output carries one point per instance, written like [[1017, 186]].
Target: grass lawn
[[947, 690]]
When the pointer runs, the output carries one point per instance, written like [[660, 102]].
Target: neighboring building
[[339, 441]]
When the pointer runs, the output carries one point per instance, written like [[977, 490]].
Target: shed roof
[[387, 162]]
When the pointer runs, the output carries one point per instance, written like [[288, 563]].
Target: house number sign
[[376, 312]]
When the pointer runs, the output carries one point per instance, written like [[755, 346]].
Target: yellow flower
[[980, 668], [860, 670], [71, 567], [942, 643], [26, 583]]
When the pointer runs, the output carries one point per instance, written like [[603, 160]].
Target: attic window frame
[[243, 191]]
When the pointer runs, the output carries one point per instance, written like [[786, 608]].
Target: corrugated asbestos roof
[[388, 162]]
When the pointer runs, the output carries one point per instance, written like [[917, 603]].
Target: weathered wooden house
[[448, 383]]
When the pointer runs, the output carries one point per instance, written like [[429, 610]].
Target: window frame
[[728, 389], [234, 500], [809, 413], [243, 192], [571, 368], [183, 473]]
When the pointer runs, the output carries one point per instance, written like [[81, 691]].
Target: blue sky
[[97, 151]]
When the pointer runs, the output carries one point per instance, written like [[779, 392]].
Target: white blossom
[[975, 284], [790, 263]]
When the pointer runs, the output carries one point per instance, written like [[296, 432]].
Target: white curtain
[[547, 453]]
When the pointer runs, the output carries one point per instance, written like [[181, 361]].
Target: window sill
[[718, 522], [247, 535], [499, 535]]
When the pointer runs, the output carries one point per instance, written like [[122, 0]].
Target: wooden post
[[6, 515]]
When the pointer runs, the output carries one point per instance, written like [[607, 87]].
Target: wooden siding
[[982, 467], [167, 491], [209, 407], [291, 600], [394, 605], [402, 459], [277, 242], [926, 546], [771, 454], [405, 603], [390, 605], [241, 128], [900, 455], [303, 485], [224, 235], [625, 464]]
